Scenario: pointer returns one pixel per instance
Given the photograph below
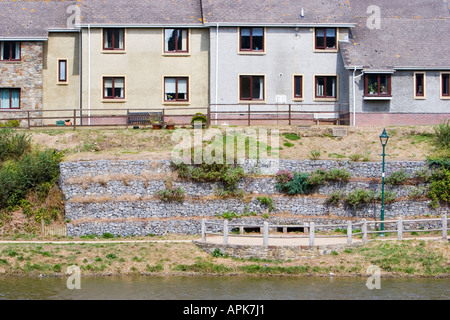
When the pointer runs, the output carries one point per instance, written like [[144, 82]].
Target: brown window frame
[[176, 41], [325, 96], [113, 88], [298, 96], [251, 77], [113, 39], [176, 89], [59, 70], [251, 40], [324, 47], [378, 94], [445, 75], [10, 98], [2, 43]]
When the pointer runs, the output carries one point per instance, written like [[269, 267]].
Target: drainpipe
[[80, 85], [354, 94], [217, 70], [89, 74]]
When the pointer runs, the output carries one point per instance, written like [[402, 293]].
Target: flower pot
[[170, 126], [156, 126]]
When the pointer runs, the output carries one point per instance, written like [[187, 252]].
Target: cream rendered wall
[[143, 63], [57, 95]]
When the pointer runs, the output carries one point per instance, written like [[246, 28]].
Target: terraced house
[[351, 62]]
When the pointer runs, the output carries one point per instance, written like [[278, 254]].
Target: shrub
[[440, 187], [292, 136], [199, 117], [314, 155], [389, 196], [441, 137], [335, 197], [171, 194], [317, 177], [356, 157], [299, 184], [13, 145], [288, 144], [397, 178], [267, 201], [359, 197], [284, 176], [337, 175]]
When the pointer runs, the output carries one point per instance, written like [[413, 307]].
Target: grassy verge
[[410, 258]]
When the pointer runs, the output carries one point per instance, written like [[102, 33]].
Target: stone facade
[[26, 75]]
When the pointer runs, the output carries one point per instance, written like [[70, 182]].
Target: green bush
[[31, 170], [314, 155], [397, 178], [171, 194], [13, 145], [337, 175], [266, 201], [440, 187], [299, 184], [441, 137], [335, 197], [359, 197], [199, 117]]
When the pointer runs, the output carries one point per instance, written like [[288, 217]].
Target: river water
[[221, 288]]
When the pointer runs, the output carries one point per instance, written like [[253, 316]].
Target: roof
[[275, 11], [141, 12], [413, 34], [31, 19]]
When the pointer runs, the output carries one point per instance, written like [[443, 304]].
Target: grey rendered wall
[[288, 52], [403, 95]]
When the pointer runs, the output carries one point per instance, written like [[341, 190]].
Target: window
[[176, 40], [113, 88], [445, 79], [298, 87], [419, 85], [176, 89], [326, 87], [62, 70], [377, 85], [251, 39], [326, 39], [9, 98], [113, 39], [251, 88], [10, 51]]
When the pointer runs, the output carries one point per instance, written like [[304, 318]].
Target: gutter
[[217, 71], [89, 75], [354, 94]]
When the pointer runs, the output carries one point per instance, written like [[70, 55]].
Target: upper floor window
[[326, 39], [113, 39], [445, 85], [9, 51], [251, 88], [251, 39], [9, 98], [113, 87], [62, 70], [326, 87], [176, 40], [377, 85]]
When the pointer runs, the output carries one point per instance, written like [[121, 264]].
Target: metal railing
[[311, 227]]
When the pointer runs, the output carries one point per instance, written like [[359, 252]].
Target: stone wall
[[119, 197], [26, 75]]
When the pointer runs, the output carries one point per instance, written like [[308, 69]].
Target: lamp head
[[384, 138]]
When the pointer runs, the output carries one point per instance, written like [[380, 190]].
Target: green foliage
[[288, 144], [335, 197], [356, 157], [107, 235], [397, 178], [199, 117], [389, 196], [228, 174], [13, 144], [299, 184], [314, 155], [440, 187], [359, 197], [441, 137], [292, 136], [267, 201], [217, 253], [229, 215], [171, 194], [10, 124], [337, 175]]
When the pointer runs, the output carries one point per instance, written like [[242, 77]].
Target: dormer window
[[326, 39]]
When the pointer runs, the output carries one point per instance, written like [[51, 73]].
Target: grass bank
[[410, 258]]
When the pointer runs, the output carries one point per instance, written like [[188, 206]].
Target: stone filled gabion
[[144, 214]]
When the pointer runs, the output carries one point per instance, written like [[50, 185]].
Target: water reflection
[[222, 288]]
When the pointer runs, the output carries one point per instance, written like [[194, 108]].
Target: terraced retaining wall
[[119, 197]]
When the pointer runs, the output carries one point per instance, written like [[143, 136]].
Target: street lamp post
[[384, 139]]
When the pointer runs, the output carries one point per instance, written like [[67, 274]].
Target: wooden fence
[[240, 114], [53, 230], [310, 230]]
